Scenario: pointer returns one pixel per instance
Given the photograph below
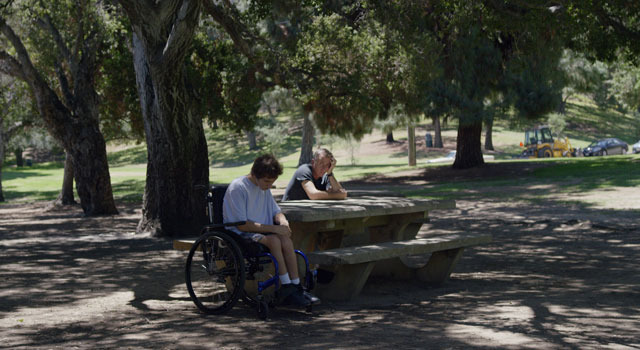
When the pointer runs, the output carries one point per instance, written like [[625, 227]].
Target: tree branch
[[10, 66], [182, 29], [64, 85], [15, 127], [228, 18], [143, 15], [47, 25], [80, 6], [616, 24], [29, 73], [225, 18], [35, 81], [164, 28]]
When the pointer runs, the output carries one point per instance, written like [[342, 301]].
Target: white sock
[[284, 279], [295, 281]]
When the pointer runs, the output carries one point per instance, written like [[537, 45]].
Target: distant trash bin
[[429, 140], [29, 162]]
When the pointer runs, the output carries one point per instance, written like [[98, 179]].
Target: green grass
[[44, 181], [588, 122], [568, 176], [127, 155], [364, 166], [39, 182], [596, 172], [231, 157]]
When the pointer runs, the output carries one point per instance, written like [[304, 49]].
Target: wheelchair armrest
[[226, 224], [234, 223]]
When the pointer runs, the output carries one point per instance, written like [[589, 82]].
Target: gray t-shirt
[[295, 191], [245, 201]]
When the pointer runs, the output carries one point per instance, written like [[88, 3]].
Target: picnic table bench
[[353, 265], [371, 235]]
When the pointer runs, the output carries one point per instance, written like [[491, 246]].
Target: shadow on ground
[[558, 277]]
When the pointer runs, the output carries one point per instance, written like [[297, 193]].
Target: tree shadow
[[556, 281], [129, 190], [615, 124], [231, 150]]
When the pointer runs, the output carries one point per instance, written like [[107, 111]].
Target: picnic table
[[327, 224], [368, 235], [358, 237]]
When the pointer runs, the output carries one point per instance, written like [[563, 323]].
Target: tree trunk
[[66, 194], [88, 152], [437, 133], [488, 135], [390, 138], [562, 107], [77, 129], [5, 136], [19, 160], [177, 165], [251, 137], [2, 141], [1, 194], [468, 150], [268, 106], [308, 132], [411, 140]]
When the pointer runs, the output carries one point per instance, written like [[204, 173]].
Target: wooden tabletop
[[319, 210]]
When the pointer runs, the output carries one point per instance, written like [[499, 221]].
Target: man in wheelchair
[[249, 199]]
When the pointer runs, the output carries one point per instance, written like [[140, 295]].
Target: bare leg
[[289, 256], [275, 246]]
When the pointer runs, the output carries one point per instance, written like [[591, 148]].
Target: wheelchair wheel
[[266, 270], [260, 270], [263, 309], [215, 273]]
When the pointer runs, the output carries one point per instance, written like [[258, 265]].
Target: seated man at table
[[315, 180], [248, 198]]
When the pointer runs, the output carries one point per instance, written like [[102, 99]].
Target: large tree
[[481, 50], [69, 109], [177, 163], [323, 52], [606, 30], [12, 119]]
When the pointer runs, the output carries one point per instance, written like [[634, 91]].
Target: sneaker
[[284, 292], [314, 300], [294, 297]]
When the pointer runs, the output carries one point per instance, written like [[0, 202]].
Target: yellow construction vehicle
[[539, 143]]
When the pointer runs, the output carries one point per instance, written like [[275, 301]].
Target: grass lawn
[[565, 180], [575, 175], [232, 158]]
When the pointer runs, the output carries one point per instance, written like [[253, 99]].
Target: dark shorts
[[251, 236]]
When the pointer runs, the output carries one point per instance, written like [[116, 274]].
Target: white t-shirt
[[245, 201]]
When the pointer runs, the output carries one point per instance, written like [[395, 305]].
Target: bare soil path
[[556, 277]]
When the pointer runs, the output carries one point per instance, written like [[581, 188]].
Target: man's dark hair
[[266, 166]]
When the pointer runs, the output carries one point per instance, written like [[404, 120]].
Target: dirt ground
[[556, 276]]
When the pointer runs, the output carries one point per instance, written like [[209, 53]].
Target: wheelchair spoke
[[215, 277]]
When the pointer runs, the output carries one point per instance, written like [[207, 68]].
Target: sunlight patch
[[78, 311], [609, 198], [474, 335]]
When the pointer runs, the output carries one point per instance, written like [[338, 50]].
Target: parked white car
[[635, 148]]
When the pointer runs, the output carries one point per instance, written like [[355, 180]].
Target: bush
[[557, 122]]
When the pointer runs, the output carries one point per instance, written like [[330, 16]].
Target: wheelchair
[[222, 267]]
